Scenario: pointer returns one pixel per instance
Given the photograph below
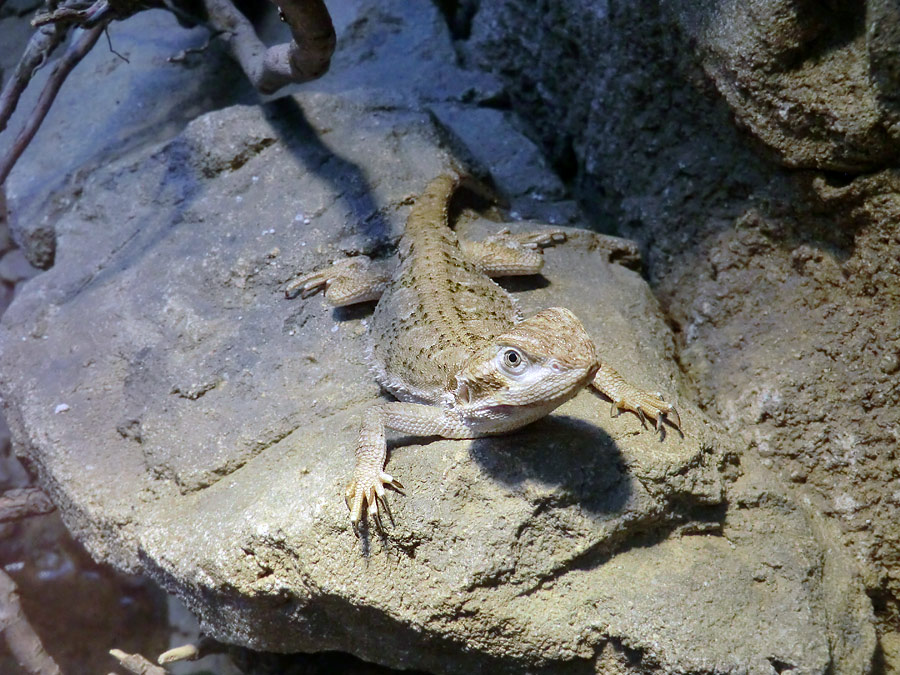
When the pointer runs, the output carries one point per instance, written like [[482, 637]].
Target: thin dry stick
[[39, 48], [66, 14], [137, 664], [23, 642], [304, 59], [192, 652], [70, 59], [24, 502]]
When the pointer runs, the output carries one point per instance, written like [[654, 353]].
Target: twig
[[24, 502], [40, 46], [70, 59], [69, 14], [182, 56], [306, 58], [111, 49], [205, 647], [137, 664], [23, 642]]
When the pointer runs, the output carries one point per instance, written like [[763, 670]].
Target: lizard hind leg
[[504, 254], [344, 282]]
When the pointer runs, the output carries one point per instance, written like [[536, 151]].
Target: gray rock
[[14, 267], [781, 283], [612, 101], [882, 38], [15, 31], [800, 76], [144, 100], [150, 99], [210, 427]]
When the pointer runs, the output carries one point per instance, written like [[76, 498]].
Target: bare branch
[[205, 647], [68, 14], [70, 59], [314, 40], [20, 636], [137, 664], [306, 58], [39, 48], [24, 502]]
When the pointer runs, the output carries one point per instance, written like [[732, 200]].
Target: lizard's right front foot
[[367, 489], [344, 282]]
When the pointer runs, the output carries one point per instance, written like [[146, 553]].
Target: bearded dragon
[[453, 347]]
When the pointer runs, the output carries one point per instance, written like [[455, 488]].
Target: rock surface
[[199, 427], [146, 99], [815, 82], [781, 284]]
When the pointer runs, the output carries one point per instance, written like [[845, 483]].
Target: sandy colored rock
[[801, 77], [209, 422], [210, 427], [781, 284]]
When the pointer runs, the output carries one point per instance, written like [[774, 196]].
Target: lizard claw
[[642, 417], [366, 492], [650, 405], [308, 284]]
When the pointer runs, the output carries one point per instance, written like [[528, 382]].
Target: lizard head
[[536, 366]]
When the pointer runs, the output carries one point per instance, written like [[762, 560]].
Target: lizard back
[[438, 308]]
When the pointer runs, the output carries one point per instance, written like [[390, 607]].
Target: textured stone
[[210, 427], [14, 267], [210, 422], [781, 284], [800, 75], [144, 100]]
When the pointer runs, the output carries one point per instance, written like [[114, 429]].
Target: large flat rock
[[194, 424]]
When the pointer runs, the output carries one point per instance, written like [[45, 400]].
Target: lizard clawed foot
[[368, 492], [530, 240], [310, 284], [649, 405]]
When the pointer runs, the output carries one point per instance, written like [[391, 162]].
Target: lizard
[[452, 345]]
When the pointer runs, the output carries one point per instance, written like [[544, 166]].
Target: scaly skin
[[451, 345]]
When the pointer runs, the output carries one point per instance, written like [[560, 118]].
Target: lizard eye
[[513, 360]]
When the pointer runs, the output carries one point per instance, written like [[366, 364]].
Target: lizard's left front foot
[[368, 490], [645, 405], [626, 397]]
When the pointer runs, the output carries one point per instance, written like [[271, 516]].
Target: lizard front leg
[[627, 397], [369, 478], [345, 282]]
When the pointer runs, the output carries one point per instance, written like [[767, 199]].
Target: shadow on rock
[[579, 460], [348, 180]]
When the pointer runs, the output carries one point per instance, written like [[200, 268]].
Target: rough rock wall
[[677, 123]]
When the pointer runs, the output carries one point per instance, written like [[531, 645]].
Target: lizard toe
[[355, 503], [389, 481], [366, 494]]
